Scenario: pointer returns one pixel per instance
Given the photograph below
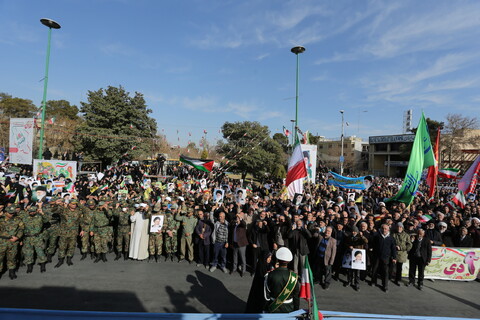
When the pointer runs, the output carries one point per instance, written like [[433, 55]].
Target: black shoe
[[97, 259], [49, 258], [118, 256], [125, 256], [151, 258], [29, 268], [171, 257], [371, 283], [385, 289], [156, 258], [42, 267], [397, 283], [11, 274], [69, 261], [420, 287], [326, 286], [180, 260], [167, 256], [92, 256], [346, 284], [60, 262], [356, 288], [84, 256], [104, 257]]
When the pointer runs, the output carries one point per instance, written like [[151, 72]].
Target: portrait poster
[[156, 223], [170, 187], [218, 195], [240, 195], [21, 140], [359, 259], [297, 199], [310, 157]]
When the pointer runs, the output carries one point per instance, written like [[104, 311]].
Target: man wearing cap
[[86, 222], [52, 233], [188, 222], [100, 230], [33, 240], [282, 288], [433, 234], [404, 244], [171, 229], [69, 226], [11, 230], [123, 213]]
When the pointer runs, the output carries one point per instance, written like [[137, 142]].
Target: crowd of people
[[131, 213]]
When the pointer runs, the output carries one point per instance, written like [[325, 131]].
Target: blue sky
[[200, 63]]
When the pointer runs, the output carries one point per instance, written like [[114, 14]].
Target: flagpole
[[297, 50]]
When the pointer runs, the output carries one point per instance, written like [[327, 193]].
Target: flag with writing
[[468, 183], [421, 157]]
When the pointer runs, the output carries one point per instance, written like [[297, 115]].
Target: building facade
[[389, 155]]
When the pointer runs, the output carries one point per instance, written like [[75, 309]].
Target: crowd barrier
[[32, 314], [461, 264]]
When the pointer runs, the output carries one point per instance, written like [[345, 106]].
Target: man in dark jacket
[[203, 231], [384, 251], [259, 241], [433, 234], [419, 257], [298, 242], [239, 242]]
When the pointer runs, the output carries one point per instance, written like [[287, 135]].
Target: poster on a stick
[[21, 140]]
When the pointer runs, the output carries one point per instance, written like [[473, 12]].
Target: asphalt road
[[140, 286]]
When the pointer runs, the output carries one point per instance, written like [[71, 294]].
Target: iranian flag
[[306, 291], [450, 173], [296, 172], [286, 132], [200, 164], [468, 183]]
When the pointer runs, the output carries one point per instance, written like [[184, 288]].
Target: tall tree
[[61, 109], [11, 107], [457, 134], [249, 149], [116, 124]]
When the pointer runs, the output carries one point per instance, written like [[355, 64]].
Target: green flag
[[421, 157]]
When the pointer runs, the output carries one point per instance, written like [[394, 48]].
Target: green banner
[[421, 157]]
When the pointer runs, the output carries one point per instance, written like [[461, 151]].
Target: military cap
[[91, 202], [33, 209], [101, 203], [11, 210], [74, 201]]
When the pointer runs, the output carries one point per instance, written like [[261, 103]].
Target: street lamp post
[[293, 129], [51, 25], [297, 50], [342, 158]]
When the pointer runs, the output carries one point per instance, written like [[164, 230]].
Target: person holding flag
[[282, 288]]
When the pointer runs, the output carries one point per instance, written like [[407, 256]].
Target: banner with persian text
[[21, 140], [451, 264], [55, 168]]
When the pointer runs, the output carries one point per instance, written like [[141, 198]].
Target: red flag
[[433, 170], [296, 172], [286, 132]]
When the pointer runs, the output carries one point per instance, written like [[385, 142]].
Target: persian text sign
[[55, 168], [451, 264], [21, 140]]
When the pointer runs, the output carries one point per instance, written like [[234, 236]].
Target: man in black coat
[[419, 257], [298, 242], [384, 251]]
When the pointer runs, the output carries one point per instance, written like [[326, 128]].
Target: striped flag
[[468, 183], [459, 199], [449, 173], [296, 172], [286, 132], [200, 164], [307, 293]]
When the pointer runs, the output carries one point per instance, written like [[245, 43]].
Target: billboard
[[54, 168], [21, 140]]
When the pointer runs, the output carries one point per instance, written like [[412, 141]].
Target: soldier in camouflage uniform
[[52, 233], [100, 230], [171, 228], [11, 230], [85, 223], [33, 221], [110, 204], [155, 240], [123, 212], [189, 223], [70, 218]]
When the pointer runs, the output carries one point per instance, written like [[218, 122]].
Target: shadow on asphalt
[[61, 298], [209, 291], [451, 296]]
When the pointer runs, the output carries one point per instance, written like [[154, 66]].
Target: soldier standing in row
[[100, 230], [52, 232], [11, 230], [85, 223], [33, 239], [69, 226], [155, 239], [123, 213], [189, 223], [171, 229]]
